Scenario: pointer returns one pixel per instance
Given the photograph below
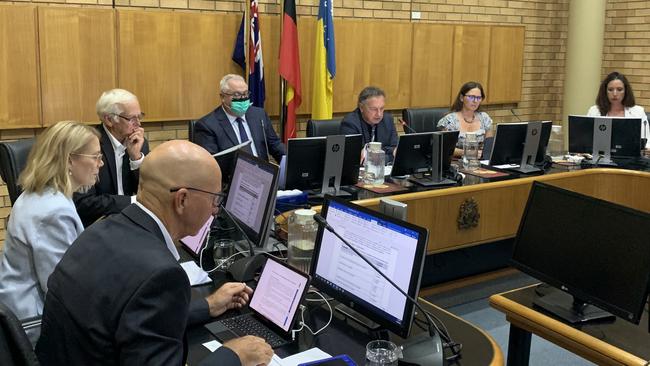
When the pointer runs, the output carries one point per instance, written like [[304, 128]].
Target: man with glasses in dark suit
[[236, 121], [123, 146]]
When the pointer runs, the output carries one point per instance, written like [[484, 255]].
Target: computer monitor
[[414, 155], [251, 198], [624, 135], [595, 251], [306, 162], [510, 144], [396, 247]]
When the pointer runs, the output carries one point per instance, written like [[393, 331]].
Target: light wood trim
[[497, 357], [432, 61], [501, 204], [471, 56], [20, 101], [173, 61], [77, 61], [466, 281], [506, 65], [563, 335]]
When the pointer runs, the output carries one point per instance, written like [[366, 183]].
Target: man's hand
[[231, 295], [134, 144], [251, 350]]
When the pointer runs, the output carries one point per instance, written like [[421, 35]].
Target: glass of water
[[224, 249], [382, 353]]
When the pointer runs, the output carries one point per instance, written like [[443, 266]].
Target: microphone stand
[[512, 110], [406, 126], [422, 349], [266, 145]]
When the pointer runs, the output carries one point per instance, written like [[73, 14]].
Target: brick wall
[[544, 52], [627, 45]]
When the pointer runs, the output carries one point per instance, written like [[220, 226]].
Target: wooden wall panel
[[19, 80], [77, 61], [174, 61], [433, 50], [506, 63], [471, 56], [379, 54]]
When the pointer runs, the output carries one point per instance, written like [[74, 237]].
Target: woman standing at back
[[43, 223], [616, 99]]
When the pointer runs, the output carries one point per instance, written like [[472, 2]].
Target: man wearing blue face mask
[[236, 121]]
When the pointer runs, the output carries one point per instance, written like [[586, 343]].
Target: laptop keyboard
[[247, 325]]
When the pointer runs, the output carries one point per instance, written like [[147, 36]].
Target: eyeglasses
[[97, 157], [132, 119], [237, 95], [217, 197], [474, 98]]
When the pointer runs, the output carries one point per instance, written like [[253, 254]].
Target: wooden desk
[[501, 204], [343, 337], [613, 343]]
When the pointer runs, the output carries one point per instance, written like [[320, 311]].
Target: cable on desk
[[302, 318]]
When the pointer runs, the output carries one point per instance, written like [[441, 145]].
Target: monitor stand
[[437, 155], [531, 144], [333, 169], [571, 309], [430, 181], [602, 143], [357, 317]]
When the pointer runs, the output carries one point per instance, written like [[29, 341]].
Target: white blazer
[[41, 228], [636, 111]]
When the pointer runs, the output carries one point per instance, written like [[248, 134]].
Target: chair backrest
[[13, 158], [15, 348], [323, 127], [190, 130], [423, 119]]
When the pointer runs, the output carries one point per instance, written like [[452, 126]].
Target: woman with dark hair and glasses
[[616, 99], [44, 222], [465, 115]]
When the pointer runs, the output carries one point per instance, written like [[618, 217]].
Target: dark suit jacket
[[385, 132], [215, 133], [118, 297], [102, 199]]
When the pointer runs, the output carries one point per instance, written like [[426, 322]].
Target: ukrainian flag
[[324, 63]]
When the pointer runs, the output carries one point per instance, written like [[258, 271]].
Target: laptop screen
[[194, 243], [278, 293]]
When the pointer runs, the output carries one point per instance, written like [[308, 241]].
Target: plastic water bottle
[[302, 236], [374, 164], [470, 151]]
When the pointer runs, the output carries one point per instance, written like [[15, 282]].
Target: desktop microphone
[[422, 349], [512, 110], [406, 126], [244, 269], [266, 146], [644, 140]]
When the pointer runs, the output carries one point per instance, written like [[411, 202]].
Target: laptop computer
[[273, 306], [193, 244]]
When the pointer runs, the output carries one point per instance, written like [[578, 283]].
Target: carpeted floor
[[471, 304]]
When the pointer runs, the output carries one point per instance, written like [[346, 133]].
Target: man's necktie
[[243, 135], [373, 132]]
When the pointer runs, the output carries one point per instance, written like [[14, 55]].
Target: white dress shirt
[[163, 229], [119, 151], [235, 127]]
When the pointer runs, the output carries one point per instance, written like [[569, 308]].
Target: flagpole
[[247, 27], [283, 83]]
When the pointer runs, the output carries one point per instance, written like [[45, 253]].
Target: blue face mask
[[240, 106]]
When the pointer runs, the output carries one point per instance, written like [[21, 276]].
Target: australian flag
[[255, 60]]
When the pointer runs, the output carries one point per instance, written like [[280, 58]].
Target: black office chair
[[15, 348], [423, 119], [13, 158], [323, 127], [190, 130]]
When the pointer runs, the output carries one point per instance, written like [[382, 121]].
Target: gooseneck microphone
[[266, 145], [512, 110], [422, 349], [406, 126], [644, 140]]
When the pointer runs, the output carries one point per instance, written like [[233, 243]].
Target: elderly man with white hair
[[236, 121], [123, 147]]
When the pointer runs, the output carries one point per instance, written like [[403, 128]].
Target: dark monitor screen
[[595, 250], [508, 144], [306, 161], [394, 246], [626, 135], [413, 153], [251, 198]]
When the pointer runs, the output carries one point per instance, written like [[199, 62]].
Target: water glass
[[224, 249], [382, 353]]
